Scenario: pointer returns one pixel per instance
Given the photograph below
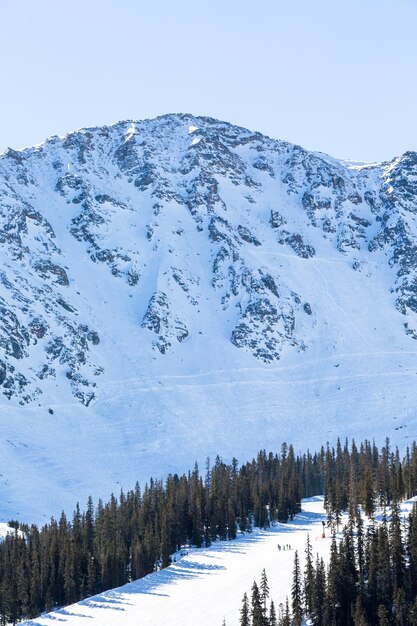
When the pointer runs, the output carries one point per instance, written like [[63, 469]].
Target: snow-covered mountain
[[181, 287]]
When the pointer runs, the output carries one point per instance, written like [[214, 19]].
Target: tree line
[[134, 534]]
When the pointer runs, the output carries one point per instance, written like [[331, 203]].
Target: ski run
[[205, 586]]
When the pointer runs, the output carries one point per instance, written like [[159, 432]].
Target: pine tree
[[309, 579], [397, 546], [384, 577], [368, 492], [166, 547], [359, 617], [359, 543], [69, 581], [400, 608], [319, 591], [92, 576], [244, 611], [347, 574], [22, 583], [333, 591], [412, 551], [257, 609], [264, 589], [297, 606], [272, 615], [35, 588]]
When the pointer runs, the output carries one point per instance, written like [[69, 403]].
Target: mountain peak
[[178, 279]]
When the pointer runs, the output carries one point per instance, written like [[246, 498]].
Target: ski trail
[[215, 578]]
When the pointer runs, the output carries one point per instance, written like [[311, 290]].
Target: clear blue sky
[[339, 76]]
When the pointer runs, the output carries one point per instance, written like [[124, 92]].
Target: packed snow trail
[[206, 585]]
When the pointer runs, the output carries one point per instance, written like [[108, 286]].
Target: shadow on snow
[[186, 567]]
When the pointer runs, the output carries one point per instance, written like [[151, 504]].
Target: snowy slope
[[4, 530], [207, 585], [180, 287]]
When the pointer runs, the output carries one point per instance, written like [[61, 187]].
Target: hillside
[[178, 288]]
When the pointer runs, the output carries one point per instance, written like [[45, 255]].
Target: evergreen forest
[[371, 577], [109, 544]]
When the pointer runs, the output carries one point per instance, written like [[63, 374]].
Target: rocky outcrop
[[174, 216], [161, 321]]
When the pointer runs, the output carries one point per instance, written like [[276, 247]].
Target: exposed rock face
[[263, 330], [158, 318], [180, 214]]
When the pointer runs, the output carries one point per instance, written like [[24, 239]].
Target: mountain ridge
[[167, 283]]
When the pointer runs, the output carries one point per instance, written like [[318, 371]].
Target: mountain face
[[181, 287]]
